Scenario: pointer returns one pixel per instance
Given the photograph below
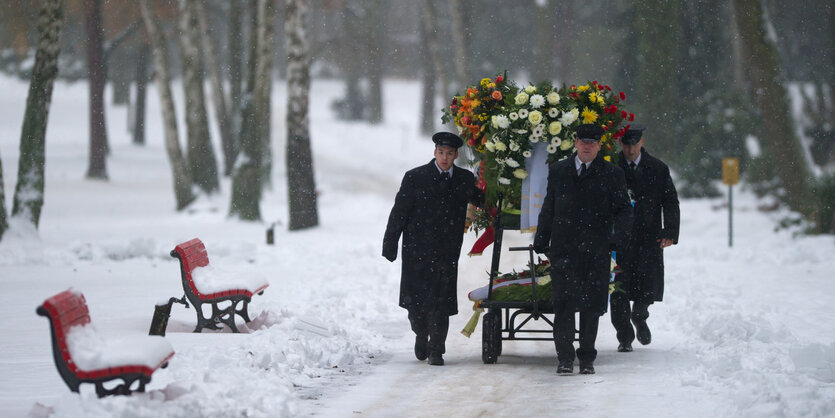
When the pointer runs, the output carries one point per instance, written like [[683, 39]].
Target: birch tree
[[218, 98], [247, 179], [202, 164], [182, 182], [301, 186], [29, 191], [97, 77]]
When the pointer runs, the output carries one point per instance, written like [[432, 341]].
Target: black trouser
[[434, 325], [564, 326], [621, 314]]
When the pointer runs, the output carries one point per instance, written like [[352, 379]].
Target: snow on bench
[[82, 355], [205, 284]]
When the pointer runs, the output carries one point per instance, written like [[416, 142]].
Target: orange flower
[[497, 95]]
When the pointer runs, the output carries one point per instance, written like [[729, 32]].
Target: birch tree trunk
[[301, 187], [182, 182], [430, 23], [247, 179], [97, 73], [218, 96], [28, 197], [760, 58], [141, 78], [202, 164]]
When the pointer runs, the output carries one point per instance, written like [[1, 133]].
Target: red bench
[[83, 356], [205, 285]]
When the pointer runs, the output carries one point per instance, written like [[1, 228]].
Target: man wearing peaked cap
[[585, 215], [655, 227], [429, 211]]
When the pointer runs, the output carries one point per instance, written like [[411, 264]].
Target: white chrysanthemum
[[520, 173], [502, 121], [494, 121], [490, 146], [513, 116], [538, 131], [514, 146], [500, 146], [552, 148], [553, 98], [554, 128], [523, 113], [556, 141], [553, 112], [566, 144], [535, 117], [533, 138], [504, 181], [521, 98], [530, 89], [537, 101], [512, 163], [527, 154], [568, 117]]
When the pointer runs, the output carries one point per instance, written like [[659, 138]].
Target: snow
[[91, 351], [209, 280], [743, 331]]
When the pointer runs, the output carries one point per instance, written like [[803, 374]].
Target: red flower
[[622, 96], [499, 79], [594, 82], [631, 117], [465, 120], [623, 114], [471, 142]]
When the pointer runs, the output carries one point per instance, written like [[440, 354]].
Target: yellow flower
[[475, 103], [589, 116], [607, 158], [593, 97], [485, 82], [583, 88], [535, 117]]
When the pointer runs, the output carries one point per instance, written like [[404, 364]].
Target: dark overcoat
[[656, 216], [581, 221], [430, 213]]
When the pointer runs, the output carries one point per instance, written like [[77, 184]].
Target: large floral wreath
[[501, 123]]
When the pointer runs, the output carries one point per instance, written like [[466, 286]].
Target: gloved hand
[[540, 248]]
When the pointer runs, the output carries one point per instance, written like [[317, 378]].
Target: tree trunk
[[4, 224], [427, 108], [200, 155], [564, 38], [141, 78], [218, 97], [459, 44], [543, 68], [430, 24], [182, 181], [28, 197], [247, 180], [375, 42], [760, 57], [264, 88], [97, 72], [236, 57], [301, 185]]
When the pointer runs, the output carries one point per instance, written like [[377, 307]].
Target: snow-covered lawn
[[743, 331]]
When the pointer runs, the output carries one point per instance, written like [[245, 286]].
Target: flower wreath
[[501, 123]]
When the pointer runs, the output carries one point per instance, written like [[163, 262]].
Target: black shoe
[[436, 359], [624, 347], [586, 369], [421, 347], [565, 368], [642, 331]]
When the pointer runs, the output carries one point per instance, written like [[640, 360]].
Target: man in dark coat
[[655, 228], [585, 215], [430, 211]]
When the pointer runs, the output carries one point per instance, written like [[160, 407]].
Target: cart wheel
[[497, 330], [489, 349]]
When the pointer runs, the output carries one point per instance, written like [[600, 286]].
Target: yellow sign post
[[730, 176]]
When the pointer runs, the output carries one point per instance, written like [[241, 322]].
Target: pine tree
[[28, 197], [301, 185]]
